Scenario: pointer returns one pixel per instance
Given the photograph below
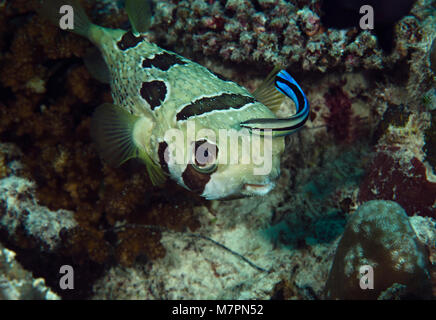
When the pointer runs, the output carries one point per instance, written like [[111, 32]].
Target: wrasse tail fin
[[51, 10], [284, 126], [140, 14], [112, 130], [267, 94]]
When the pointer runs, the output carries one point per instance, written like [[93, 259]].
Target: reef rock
[[19, 284], [379, 235]]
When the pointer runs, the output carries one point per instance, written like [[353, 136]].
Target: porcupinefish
[[158, 94]]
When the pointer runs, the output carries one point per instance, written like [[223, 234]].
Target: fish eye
[[205, 156]]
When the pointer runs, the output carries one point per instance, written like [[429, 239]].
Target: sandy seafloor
[[371, 136]]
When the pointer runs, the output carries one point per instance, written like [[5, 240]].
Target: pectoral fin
[[267, 93], [112, 130]]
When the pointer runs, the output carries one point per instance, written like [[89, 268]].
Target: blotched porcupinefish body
[[166, 105]]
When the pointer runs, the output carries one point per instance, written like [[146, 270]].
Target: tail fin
[[56, 10]]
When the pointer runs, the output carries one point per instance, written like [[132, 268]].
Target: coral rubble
[[20, 210], [19, 284]]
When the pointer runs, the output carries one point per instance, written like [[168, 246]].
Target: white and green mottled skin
[[185, 84]]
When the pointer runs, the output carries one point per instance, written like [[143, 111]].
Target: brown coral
[[49, 97]]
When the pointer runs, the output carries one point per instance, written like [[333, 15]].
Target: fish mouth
[[255, 189]]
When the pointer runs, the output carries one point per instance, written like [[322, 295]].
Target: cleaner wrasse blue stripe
[[284, 126]]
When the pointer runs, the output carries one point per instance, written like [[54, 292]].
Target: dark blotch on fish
[[224, 101], [162, 61], [345, 14], [162, 151], [194, 180], [154, 93], [129, 41]]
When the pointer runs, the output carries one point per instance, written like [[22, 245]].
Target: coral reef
[[17, 283], [430, 141], [19, 209], [390, 178], [397, 171], [196, 268], [47, 98], [127, 239], [20, 213], [379, 235], [278, 32], [340, 113]]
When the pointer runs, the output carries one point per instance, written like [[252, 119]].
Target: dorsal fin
[[140, 13], [267, 93], [112, 130]]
